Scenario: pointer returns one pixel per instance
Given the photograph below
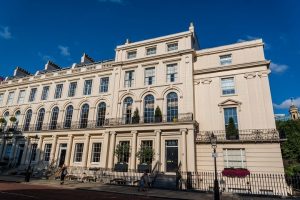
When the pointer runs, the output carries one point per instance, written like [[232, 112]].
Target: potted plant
[[232, 132], [136, 117], [158, 115], [236, 172], [13, 120], [145, 156], [2, 122], [122, 153]]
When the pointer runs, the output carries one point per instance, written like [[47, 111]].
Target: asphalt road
[[19, 191]]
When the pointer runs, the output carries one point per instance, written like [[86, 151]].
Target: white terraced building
[[81, 113]]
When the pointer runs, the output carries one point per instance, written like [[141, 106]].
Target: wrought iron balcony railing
[[85, 124], [251, 135]]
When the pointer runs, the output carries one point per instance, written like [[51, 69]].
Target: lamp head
[[213, 141]]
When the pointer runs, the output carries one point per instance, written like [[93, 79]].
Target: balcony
[[185, 117], [246, 135]]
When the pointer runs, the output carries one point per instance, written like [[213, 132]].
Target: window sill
[[228, 95]]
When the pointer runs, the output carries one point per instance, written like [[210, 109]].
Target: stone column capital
[[157, 131]]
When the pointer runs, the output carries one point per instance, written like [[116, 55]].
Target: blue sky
[[33, 31]]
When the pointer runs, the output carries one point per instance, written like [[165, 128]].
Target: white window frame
[[242, 157], [32, 95], [129, 83], [78, 153], [58, 91], [102, 86], [131, 54], [172, 46], [169, 74], [74, 89], [93, 152], [149, 52], [10, 98], [45, 93], [226, 59], [85, 88], [223, 87], [146, 77], [47, 151], [21, 96]]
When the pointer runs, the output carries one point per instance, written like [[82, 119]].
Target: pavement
[[125, 190]]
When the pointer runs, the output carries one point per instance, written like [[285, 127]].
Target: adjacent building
[[166, 93]]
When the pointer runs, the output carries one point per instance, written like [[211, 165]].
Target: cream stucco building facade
[[81, 113]]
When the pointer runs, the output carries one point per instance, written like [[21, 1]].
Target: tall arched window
[[68, 117], [127, 109], [40, 119], [101, 114], [27, 120], [84, 116], [54, 116], [6, 117], [172, 107], [149, 108], [17, 116]]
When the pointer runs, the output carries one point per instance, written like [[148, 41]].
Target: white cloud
[[45, 57], [111, 1], [278, 68], [287, 103], [64, 50], [5, 33]]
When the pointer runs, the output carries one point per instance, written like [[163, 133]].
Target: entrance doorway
[[20, 154], [171, 155], [62, 154]]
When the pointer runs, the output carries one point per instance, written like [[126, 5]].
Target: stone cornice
[[153, 58], [232, 67]]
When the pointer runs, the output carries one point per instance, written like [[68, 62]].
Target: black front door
[[171, 155], [20, 157], [62, 157]]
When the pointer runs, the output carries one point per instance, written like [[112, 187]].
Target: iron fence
[[254, 184], [256, 135]]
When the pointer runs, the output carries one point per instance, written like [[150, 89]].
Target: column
[[26, 150], [53, 150], [133, 152], [13, 149], [104, 161], [191, 149], [86, 149], [111, 150], [39, 149], [183, 150], [157, 147], [69, 147]]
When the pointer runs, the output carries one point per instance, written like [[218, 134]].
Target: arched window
[[172, 107], [17, 116], [6, 117], [54, 116], [40, 119], [127, 109], [84, 116], [101, 114], [27, 120], [149, 108], [68, 117]]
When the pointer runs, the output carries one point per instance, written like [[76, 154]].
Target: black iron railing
[[255, 183], [184, 117], [242, 135], [85, 124]]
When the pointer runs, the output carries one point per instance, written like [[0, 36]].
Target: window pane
[[78, 152], [172, 107], [149, 109], [27, 120], [68, 117], [171, 72], [131, 54], [96, 151], [234, 158], [227, 85], [101, 114], [21, 97], [104, 84], [87, 90], [47, 152], [58, 91], [45, 93], [32, 94], [10, 98], [72, 89], [127, 109], [172, 47], [129, 78], [149, 76], [151, 51], [230, 113], [40, 119], [1, 98], [54, 117], [84, 116], [225, 59]]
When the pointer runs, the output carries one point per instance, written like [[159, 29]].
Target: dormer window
[[131, 54], [225, 59], [172, 46], [150, 51]]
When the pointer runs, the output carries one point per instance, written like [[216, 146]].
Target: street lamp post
[[213, 141], [29, 170]]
